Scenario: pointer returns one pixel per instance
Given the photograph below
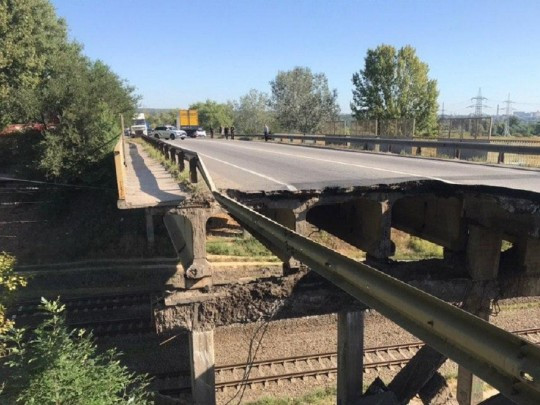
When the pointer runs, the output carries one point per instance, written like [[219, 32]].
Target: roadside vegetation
[[54, 365], [71, 103], [245, 246], [318, 397]]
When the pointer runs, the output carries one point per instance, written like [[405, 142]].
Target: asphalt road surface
[[256, 166]]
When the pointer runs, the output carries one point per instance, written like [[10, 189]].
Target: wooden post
[[203, 380], [350, 357]]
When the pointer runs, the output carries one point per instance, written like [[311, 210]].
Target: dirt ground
[[319, 334]]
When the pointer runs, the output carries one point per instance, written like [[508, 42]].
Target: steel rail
[[261, 379], [488, 147], [507, 362]]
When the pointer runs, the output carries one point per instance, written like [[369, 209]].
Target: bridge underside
[[491, 242]]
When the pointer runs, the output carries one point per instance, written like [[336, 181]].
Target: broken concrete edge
[[305, 294]]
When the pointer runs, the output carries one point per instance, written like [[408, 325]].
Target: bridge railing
[[120, 167], [507, 362], [494, 150]]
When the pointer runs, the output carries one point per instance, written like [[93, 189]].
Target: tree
[[45, 78], [32, 37], [252, 112], [53, 365], [302, 100], [395, 84], [213, 114], [86, 99]]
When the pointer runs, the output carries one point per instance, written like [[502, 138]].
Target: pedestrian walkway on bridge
[[147, 182]]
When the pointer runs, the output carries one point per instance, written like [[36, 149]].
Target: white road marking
[[348, 164], [289, 187]]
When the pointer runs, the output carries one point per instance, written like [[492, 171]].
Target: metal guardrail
[[458, 145], [507, 362]]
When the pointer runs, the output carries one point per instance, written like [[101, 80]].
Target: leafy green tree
[[158, 118], [45, 78], [302, 100], [53, 365], [252, 112], [86, 98], [213, 114], [31, 38], [395, 84]]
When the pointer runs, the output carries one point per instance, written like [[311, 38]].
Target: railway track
[[107, 315], [318, 366]]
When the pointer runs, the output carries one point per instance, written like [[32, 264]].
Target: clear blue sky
[[176, 52]]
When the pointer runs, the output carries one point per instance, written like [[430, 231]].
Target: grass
[[246, 246], [319, 397], [413, 248]]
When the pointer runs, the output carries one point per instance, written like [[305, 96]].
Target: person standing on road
[[212, 133], [266, 133], [226, 132], [232, 132]]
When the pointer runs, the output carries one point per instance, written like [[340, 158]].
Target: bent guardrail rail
[[502, 359]]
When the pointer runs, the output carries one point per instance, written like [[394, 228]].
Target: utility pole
[[508, 103], [478, 103]]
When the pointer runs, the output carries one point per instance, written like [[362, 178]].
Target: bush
[[52, 365], [9, 282]]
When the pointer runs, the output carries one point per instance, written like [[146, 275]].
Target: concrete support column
[[150, 236], [187, 231], [470, 389], [203, 380], [483, 252], [364, 223], [376, 229], [293, 216], [350, 357], [483, 256], [528, 255]]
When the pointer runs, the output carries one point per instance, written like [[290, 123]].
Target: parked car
[[200, 132], [168, 132]]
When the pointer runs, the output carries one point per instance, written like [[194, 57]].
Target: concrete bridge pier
[[482, 260], [293, 215], [187, 230], [363, 222], [350, 357], [203, 380]]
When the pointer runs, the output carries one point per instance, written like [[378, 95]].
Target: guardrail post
[[181, 163], [203, 380], [193, 170], [350, 357]]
